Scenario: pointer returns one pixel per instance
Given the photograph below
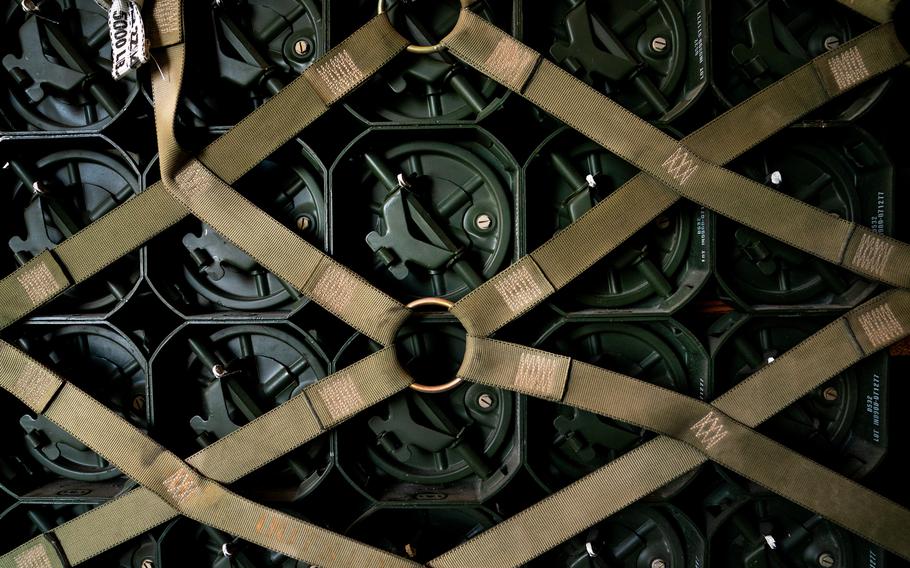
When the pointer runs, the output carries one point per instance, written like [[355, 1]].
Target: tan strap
[[186, 490], [315, 274], [876, 10], [673, 169], [564, 514], [720, 437]]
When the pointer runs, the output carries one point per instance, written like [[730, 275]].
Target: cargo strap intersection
[[691, 431]]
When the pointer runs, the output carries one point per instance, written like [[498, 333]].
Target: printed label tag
[[129, 47]]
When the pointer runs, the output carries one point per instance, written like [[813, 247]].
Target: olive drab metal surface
[[455, 284]]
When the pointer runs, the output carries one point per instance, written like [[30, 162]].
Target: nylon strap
[[719, 436], [315, 274], [165, 27], [144, 216], [39, 552], [876, 10], [530, 383], [672, 170], [564, 514], [834, 348], [784, 381], [184, 489]]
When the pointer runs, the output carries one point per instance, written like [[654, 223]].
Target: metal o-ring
[[419, 49], [445, 387]]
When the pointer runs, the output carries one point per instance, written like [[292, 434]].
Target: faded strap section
[[515, 367], [165, 27], [674, 169], [39, 552], [35, 283], [288, 256]]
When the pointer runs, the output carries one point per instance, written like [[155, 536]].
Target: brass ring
[[419, 49], [445, 387]]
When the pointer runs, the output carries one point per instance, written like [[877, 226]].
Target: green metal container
[[658, 271], [761, 530], [213, 378], [757, 42], [642, 535], [214, 278], [43, 460], [56, 69], [652, 57], [420, 533], [840, 169], [57, 187], [462, 446], [842, 424], [187, 543], [436, 210], [565, 443], [245, 52]]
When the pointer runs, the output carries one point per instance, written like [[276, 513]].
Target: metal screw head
[[148, 563], [485, 401], [302, 47], [832, 43], [29, 6], [218, 370], [659, 44], [38, 188], [658, 563], [826, 560], [777, 177], [483, 221], [303, 223], [830, 394]]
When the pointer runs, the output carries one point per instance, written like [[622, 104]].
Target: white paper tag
[[129, 47]]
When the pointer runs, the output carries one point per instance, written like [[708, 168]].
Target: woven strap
[[876, 10], [564, 514], [182, 487], [720, 436], [672, 169], [144, 216]]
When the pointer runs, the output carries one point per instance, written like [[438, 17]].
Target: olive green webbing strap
[[179, 485], [279, 250], [144, 216], [679, 173], [584, 503], [241, 452], [876, 10], [717, 435], [874, 324]]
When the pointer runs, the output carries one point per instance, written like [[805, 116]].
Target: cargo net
[[606, 417]]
